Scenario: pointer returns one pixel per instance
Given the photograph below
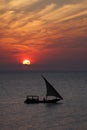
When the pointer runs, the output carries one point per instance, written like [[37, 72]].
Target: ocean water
[[69, 114]]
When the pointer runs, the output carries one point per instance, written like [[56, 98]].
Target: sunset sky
[[52, 34]]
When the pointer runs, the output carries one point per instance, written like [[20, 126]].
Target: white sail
[[51, 91]]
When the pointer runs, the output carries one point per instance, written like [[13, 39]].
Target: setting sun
[[26, 62]]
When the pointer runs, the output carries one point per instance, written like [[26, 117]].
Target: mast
[[51, 91]]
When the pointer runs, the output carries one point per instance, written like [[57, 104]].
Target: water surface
[[69, 114]]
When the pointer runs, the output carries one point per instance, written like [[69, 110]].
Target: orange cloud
[[33, 27]]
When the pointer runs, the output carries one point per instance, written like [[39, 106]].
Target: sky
[[52, 34]]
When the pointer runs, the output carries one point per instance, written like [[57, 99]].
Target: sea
[[68, 114]]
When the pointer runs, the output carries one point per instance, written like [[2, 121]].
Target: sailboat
[[51, 91]]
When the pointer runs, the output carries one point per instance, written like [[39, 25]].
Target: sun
[[26, 62]]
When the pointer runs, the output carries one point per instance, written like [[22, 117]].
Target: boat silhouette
[[51, 91]]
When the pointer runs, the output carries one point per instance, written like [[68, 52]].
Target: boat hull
[[28, 101]]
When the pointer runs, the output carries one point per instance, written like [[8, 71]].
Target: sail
[[51, 91]]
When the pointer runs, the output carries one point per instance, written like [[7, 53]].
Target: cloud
[[16, 4], [49, 26]]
